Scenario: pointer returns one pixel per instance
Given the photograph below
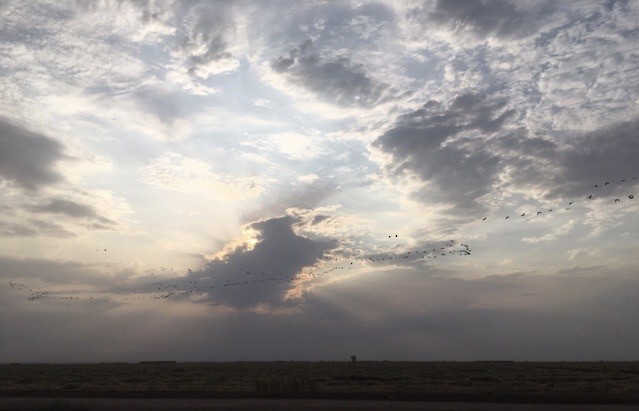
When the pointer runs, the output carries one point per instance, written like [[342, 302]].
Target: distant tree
[[353, 358]]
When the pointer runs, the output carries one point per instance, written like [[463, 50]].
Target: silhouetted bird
[[616, 200], [590, 196], [538, 212], [631, 196]]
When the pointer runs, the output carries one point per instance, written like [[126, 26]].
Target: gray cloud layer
[[70, 209], [437, 143], [28, 158], [335, 79], [426, 142], [34, 228], [499, 18], [518, 317], [609, 154]]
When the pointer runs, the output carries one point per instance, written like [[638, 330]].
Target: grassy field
[[593, 381]]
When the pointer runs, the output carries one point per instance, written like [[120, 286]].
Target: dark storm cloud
[[70, 209], [279, 253], [499, 18], [28, 158], [431, 143], [335, 79]]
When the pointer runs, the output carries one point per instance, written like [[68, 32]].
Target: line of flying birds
[[589, 197], [251, 277]]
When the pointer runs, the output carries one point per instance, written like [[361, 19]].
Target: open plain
[[302, 384]]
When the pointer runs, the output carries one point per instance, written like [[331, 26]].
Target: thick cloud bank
[[27, 158], [437, 143], [278, 253], [336, 79]]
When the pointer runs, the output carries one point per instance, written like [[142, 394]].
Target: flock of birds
[[169, 283], [163, 288], [567, 206]]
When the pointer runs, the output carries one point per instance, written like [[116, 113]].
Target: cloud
[[498, 18], [205, 44], [555, 233], [274, 250], [308, 178], [467, 150], [28, 158], [173, 171], [33, 228], [606, 154], [333, 78], [51, 272], [71, 209], [403, 316], [435, 143], [571, 167], [295, 146]]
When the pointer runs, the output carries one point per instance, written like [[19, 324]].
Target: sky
[[249, 180]]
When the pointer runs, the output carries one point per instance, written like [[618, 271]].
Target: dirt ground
[[104, 404]]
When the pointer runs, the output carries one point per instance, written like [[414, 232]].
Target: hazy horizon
[[229, 181]]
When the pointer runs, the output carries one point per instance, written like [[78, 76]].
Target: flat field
[[557, 382]]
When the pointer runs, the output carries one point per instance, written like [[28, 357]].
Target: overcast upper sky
[[249, 180]]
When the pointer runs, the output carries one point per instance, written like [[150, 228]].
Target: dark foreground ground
[[277, 385], [154, 404]]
